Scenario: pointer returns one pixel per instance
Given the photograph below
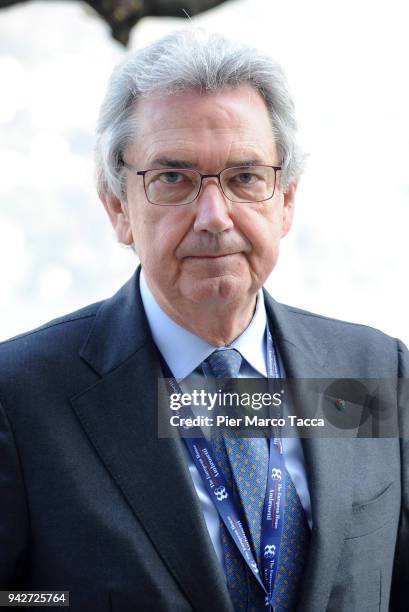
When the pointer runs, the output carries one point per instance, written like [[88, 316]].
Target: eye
[[245, 178], [171, 178]]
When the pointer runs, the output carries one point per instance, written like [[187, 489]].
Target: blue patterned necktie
[[244, 462]]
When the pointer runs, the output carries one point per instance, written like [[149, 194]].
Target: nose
[[212, 209]]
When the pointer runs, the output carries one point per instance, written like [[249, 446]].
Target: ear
[[118, 215], [288, 209]]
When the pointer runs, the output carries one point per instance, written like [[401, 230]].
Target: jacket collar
[[121, 329], [303, 351]]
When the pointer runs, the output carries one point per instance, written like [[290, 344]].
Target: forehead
[[220, 127]]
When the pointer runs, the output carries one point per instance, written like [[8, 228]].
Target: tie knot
[[225, 363]]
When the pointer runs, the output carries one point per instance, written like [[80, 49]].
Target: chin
[[218, 290]]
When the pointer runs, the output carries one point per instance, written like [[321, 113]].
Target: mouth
[[211, 256]]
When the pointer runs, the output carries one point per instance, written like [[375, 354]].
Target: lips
[[213, 255]]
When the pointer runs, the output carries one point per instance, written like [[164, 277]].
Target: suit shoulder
[[330, 321], [64, 328], [343, 332], [41, 367], [346, 349]]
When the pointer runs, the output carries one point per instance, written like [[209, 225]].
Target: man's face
[[212, 251]]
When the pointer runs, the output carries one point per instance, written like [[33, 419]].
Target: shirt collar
[[183, 351]]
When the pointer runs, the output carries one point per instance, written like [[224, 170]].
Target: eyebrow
[[167, 162]]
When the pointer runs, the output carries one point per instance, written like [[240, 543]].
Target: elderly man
[[197, 169]]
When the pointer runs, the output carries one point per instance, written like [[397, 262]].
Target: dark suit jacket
[[91, 501]]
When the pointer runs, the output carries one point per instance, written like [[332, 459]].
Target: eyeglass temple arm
[[123, 163]]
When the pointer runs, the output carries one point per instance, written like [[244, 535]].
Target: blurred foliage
[[122, 15]]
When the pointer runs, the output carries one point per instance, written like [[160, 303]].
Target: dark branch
[[123, 15]]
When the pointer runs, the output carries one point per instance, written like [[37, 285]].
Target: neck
[[218, 324]]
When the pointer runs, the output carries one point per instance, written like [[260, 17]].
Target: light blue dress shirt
[[183, 351]]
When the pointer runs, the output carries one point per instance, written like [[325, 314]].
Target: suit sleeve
[[400, 583], [13, 508]]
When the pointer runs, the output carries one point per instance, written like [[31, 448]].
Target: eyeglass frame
[[203, 176]]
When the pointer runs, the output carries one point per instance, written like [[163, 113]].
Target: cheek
[[261, 228], [158, 234]]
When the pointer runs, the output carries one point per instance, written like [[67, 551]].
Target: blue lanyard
[[222, 495]]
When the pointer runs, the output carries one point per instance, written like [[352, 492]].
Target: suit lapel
[[119, 415], [328, 461]]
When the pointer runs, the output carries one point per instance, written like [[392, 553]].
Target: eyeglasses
[[180, 186]]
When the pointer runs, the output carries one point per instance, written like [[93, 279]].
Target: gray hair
[[183, 60]]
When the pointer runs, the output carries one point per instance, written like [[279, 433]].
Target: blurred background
[[347, 63]]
